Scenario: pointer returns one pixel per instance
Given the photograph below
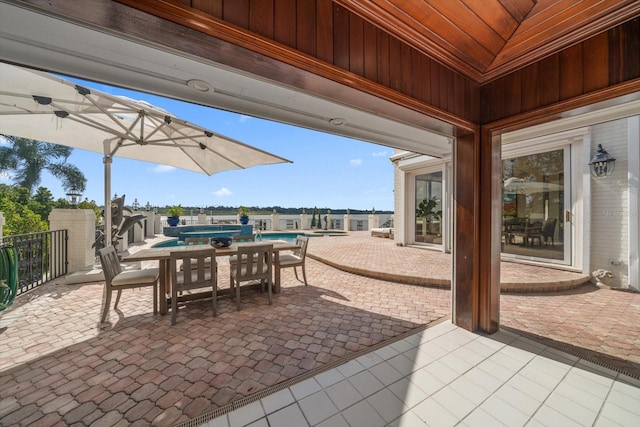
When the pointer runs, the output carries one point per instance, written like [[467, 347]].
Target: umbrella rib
[[113, 118]]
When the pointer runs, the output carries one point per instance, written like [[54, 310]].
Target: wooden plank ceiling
[[486, 39]]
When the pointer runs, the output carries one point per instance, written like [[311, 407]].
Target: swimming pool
[[287, 237]]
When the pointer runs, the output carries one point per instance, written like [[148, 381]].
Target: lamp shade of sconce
[[73, 196], [602, 164]]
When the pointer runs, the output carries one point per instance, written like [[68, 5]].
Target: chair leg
[[215, 300], [304, 275], [117, 298], [174, 304], [155, 298], [238, 297], [107, 303], [269, 286], [295, 271]]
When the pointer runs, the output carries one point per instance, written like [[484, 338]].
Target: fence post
[[81, 231]]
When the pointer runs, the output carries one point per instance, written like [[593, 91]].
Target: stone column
[[374, 221], [304, 220], [81, 230], [157, 223], [275, 221], [329, 216], [138, 229], [151, 219], [202, 218], [347, 221]]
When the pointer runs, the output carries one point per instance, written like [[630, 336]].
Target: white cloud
[[223, 192], [243, 119], [380, 153], [162, 169], [355, 162]]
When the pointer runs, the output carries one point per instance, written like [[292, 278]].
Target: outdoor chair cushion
[[194, 276], [129, 277], [254, 269], [286, 259]]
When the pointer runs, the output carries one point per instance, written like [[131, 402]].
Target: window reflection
[[533, 205]]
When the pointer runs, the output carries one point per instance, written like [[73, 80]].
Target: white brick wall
[[609, 204]]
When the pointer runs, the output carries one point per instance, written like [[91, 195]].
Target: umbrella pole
[[107, 201]]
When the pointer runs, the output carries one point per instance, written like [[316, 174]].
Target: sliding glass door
[[535, 203], [428, 208]]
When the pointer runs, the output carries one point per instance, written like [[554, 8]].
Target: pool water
[[287, 237]]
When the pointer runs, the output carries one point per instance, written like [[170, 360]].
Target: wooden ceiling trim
[[608, 97], [560, 18], [373, 13], [467, 22], [431, 24], [519, 9], [520, 58], [495, 16], [223, 31]]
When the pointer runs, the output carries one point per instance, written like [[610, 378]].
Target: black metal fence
[[41, 257]]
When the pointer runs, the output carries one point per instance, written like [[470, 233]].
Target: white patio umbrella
[[43, 107], [516, 185]]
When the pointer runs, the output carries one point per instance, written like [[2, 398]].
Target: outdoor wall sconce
[[74, 197], [135, 205], [148, 206], [602, 164]]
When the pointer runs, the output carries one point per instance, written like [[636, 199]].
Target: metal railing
[[41, 257]]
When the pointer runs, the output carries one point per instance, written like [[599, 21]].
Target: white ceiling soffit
[[34, 39]]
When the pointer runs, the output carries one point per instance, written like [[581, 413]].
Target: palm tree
[[26, 158]]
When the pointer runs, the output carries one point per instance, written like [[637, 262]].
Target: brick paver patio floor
[[58, 366]]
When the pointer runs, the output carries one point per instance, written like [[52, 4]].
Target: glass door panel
[[533, 206], [428, 204]]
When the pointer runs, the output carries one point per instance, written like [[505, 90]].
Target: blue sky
[[328, 171]]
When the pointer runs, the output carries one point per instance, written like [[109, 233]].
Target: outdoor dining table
[[162, 254]]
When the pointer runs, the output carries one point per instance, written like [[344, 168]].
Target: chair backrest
[[549, 227], [303, 242], [258, 262], [197, 241], [243, 238], [533, 227], [196, 267], [110, 263]]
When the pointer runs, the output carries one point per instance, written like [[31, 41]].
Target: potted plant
[[427, 212], [174, 213], [243, 213]]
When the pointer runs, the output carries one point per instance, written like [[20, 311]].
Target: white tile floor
[[446, 376]]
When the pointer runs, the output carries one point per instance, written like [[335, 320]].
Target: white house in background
[[554, 211]]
